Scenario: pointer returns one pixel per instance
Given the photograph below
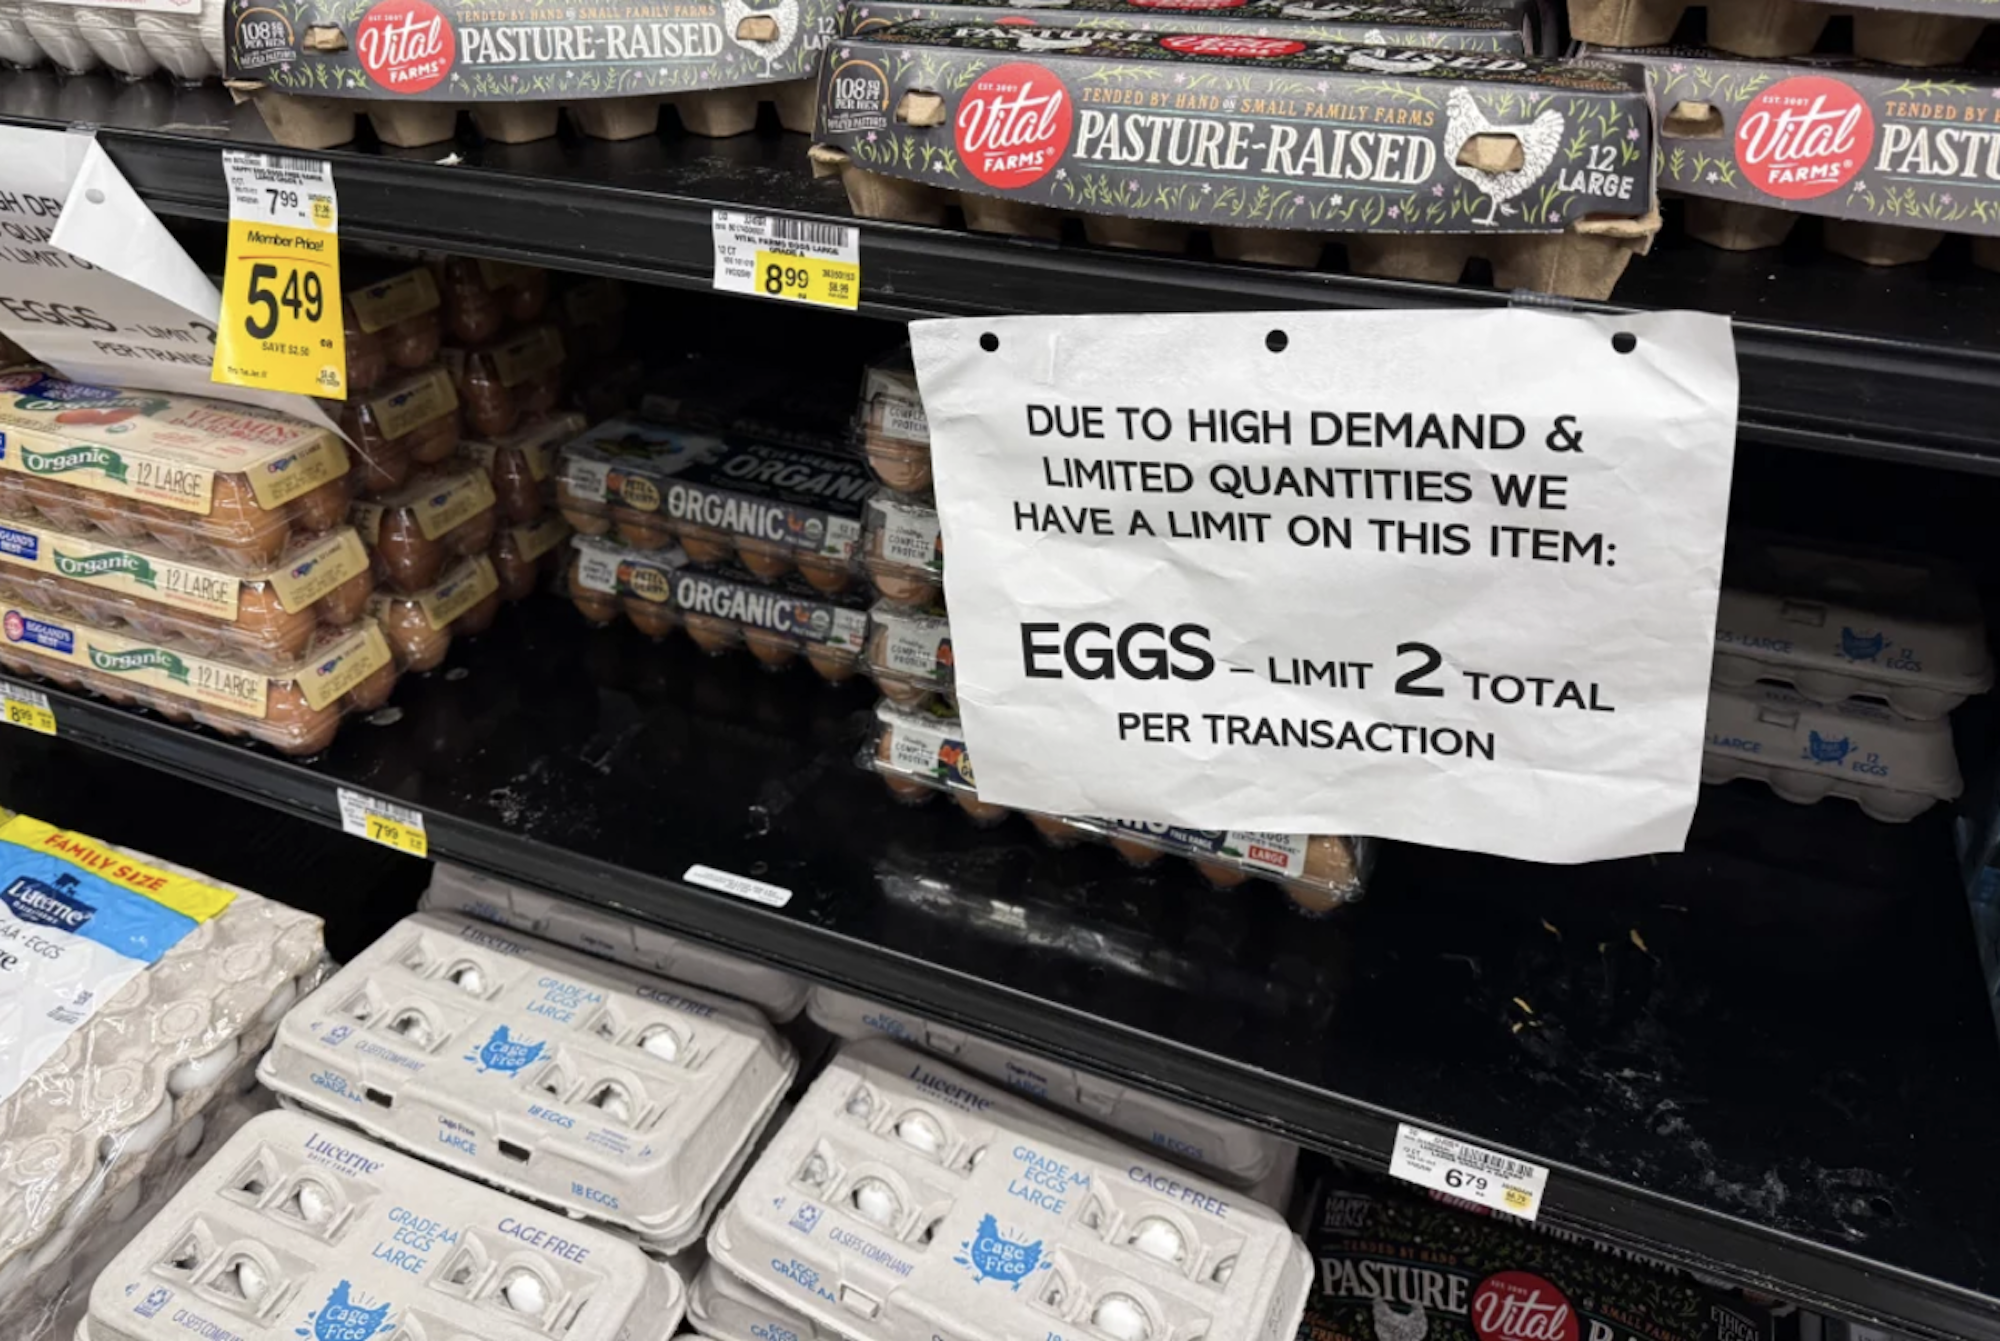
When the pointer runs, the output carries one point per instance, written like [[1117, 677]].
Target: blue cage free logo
[[991, 1256], [505, 1053], [341, 1319], [1861, 646], [1824, 751]]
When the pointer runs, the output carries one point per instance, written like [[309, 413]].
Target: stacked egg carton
[[906, 1199], [1835, 670], [130, 1096], [134, 42]]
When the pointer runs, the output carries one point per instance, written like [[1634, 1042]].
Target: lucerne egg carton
[[126, 1090], [587, 1086], [724, 1307], [621, 940], [1836, 623], [1893, 767], [904, 1200], [299, 1228], [1230, 1151], [79, 38]]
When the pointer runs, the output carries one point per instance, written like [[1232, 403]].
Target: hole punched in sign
[[1277, 342], [1624, 342]]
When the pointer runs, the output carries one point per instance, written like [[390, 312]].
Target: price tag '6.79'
[[1468, 1172], [281, 328]]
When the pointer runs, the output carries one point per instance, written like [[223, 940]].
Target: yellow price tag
[[391, 833], [1517, 1198], [383, 822], [809, 279], [281, 327], [30, 710]]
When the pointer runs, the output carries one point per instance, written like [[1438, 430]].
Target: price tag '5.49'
[[281, 328]]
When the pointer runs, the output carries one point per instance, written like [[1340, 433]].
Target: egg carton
[[1224, 1150], [722, 1306], [1841, 623], [1896, 32], [390, 322], [604, 1092], [484, 299], [509, 381], [622, 940], [522, 464], [419, 628], [445, 512], [130, 1085], [1893, 767], [525, 555], [412, 421], [895, 433], [904, 1199], [80, 38], [298, 1228]]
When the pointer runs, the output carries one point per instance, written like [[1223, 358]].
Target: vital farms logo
[[407, 46], [111, 563], [1521, 1306], [140, 659], [340, 1318], [505, 1053], [1804, 137], [989, 1256], [1013, 125], [45, 905]]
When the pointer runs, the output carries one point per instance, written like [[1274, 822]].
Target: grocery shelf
[[1835, 356], [1768, 1058]]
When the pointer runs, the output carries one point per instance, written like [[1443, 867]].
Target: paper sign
[[281, 326], [798, 260], [1468, 1172], [1443, 577]]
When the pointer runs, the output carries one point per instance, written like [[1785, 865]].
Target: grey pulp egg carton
[[724, 1307], [590, 1087], [1893, 767], [1229, 1151], [128, 1089], [1841, 623], [298, 1228], [780, 995], [904, 1200]]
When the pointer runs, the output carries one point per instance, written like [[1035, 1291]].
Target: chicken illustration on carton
[[1420, 159]]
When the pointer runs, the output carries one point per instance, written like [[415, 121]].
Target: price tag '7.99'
[[383, 822], [281, 328]]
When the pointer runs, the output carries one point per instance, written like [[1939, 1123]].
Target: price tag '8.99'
[[281, 327]]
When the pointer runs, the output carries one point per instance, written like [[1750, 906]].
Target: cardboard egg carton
[[127, 1091], [724, 1307], [905, 1199], [1842, 623], [622, 940], [1419, 161], [299, 1228], [1227, 1151], [601, 1091], [1894, 768], [1895, 32], [1892, 174]]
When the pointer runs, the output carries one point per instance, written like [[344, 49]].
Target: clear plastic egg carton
[[724, 1307], [595, 1089], [1229, 1151], [131, 1084], [622, 940], [18, 50], [135, 43], [1835, 623], [905, 1200], [298, 1228], [1893, 767]]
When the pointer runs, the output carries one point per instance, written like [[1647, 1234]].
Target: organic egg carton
[[622, 940], [724, 1307], [1840, 623], [1224, 1150], [1898, 32], [300, 1229], [904, 1199], [596, 1089], [133, 1081], [1892, 767]]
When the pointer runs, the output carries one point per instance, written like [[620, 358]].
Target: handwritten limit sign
[[1443, 577]]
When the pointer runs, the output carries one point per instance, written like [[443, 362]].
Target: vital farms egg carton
[[1229, 1151], [621, 940], [299, 1228], [131, 1082], [1894, 768], [1841, 623], [1891, 163], [904, 1199], [409, 69], [595, 1089], [1455, 25], [1419, 160], [1897, 32]]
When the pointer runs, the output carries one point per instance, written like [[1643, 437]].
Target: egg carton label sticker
[[442, 506], [380, 306], [529, 354], [77, 922], [420, 400], [910, 534], [1209, 557]]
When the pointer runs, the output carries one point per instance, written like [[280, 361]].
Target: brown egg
[[588, 516], [410, 560], [171, 709], [291, 725], [373, 690], [472, 536], [112, 515], [539, 394], [252, 551], [831, 576], [479, 618], [705, 544], [836, 665], [490, 408], [775, 650], [1136, 852], [265, 623], [517, 491], [367, 362], [1222, 874], [906, 586], [517, 575], [525, 294], [413, 341], [59, 504], [1058, 831], [321, 508], [763, 558], [710, 634], [346, 602], [431, 443], [380, 465], [599, 607], [983, 813], [1327, 877], [899, 687], [904, 788], [173, 531], [14, 495], [899, 464], [471, 310], [417, 646], [655, 619]]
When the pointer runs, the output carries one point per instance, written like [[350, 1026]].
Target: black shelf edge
[[895, 928]]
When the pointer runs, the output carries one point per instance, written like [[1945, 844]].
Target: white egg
[[860, 1104], [876, 1201], [412, 1026], [662, 1043], [524, 1292], [311, 1203], [1223, 1271], [1119, 1315], [1159, 1239], [613, 1101], [249, 1279], [815, 1172], [468, 977], [920, 1131]]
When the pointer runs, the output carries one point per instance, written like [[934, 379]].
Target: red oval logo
[[1804, 137], [1521, 1306], [1190, 4], [1217, 44], [406, 46], [1013, 125]]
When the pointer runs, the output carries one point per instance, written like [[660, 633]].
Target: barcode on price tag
[[797, 260], [383, 822], [25, 707], [1469, 1172]]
